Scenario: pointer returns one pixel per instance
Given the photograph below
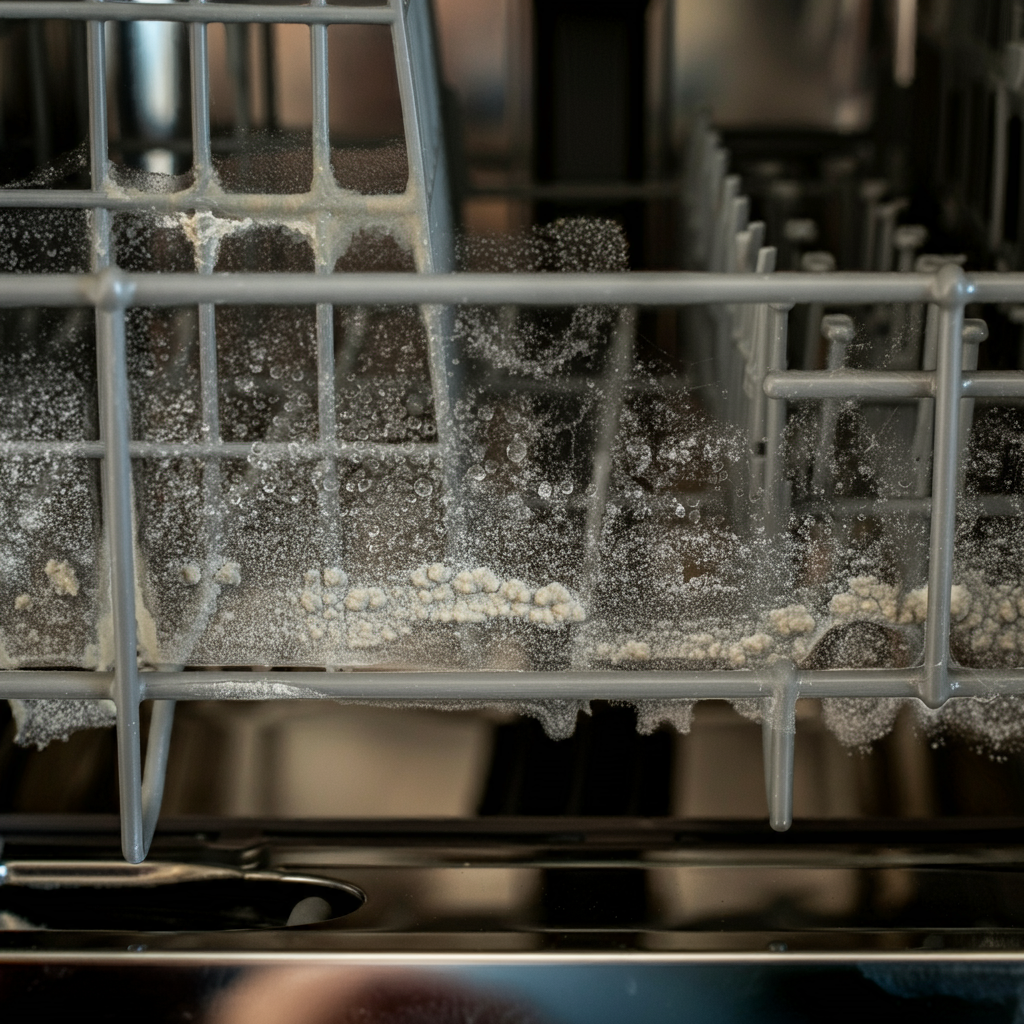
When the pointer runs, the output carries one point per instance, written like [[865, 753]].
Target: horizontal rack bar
[[888, 385], [112, 288], [536, 685], [647, 288], [91, 10]]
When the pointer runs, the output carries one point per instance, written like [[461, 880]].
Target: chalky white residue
[[362, 617], [62, 578], [866, 599], [860, 721], [987, 620], [793, 620], [335, 577], [631, 650], [38, 722], [650, 714], [23, 603], [191, 574], [204, 229], [727, 645], [229, 573]]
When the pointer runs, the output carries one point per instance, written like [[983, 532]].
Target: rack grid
[[769, 295]]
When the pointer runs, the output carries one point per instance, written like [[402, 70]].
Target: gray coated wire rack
[[753, 303]]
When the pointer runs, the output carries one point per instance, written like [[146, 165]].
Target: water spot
[[566, 487], [364, 485], [423, 487], [476, 472], [544, 490], [516, 450], [680, 511], [485, 412]]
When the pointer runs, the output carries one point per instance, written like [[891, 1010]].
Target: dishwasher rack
[[752, 303]]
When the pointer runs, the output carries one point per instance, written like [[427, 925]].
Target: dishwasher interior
[[493, 489]]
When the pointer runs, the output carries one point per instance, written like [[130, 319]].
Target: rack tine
[[952, 292], [776, 505], [730, 217], [112, 378], [751, 397], [778, 738], [117, 513], [974, 333], [838, 331], [413, 37], [815, 262], [157, 749], [617, 375]]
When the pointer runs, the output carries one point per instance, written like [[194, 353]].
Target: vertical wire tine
[[202, 169], [725, 224], [158, 747], [208, 384], [96, 67], [758, 354], [206, 256], [112, 374], [731, 364], [924, 427], [322, 173], [202, 162], [775, 511], [427, 195], [616, 379], [923, 437], [737, 237], [323, 183], [951, 291], [778, 740], [974, 333], [755, 367], [838, 330], [117, 514], [814, 263]]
